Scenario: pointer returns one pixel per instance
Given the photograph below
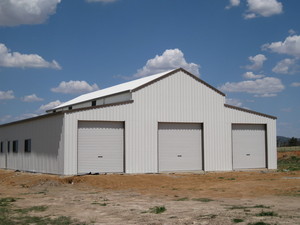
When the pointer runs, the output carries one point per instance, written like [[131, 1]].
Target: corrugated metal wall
[[177, 98], [46, 145]]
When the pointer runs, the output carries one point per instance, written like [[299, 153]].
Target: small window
[[15, 146], [1, 147], [8, 146], [27, 145], [94, 103], [70, 107]]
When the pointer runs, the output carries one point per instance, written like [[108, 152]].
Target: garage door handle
[[179, 155], [100, 156], [247, 154]]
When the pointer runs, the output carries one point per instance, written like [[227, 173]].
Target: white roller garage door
[[100, 147], [179, 146], [249, 146]]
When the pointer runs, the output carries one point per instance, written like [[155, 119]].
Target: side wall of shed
[[46, 135], [234, 116]]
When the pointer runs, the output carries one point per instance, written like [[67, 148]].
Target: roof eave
[[250, 111]]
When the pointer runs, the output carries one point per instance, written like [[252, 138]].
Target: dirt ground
[[189, 198]]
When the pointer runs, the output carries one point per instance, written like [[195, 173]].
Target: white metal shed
[[171, 121]]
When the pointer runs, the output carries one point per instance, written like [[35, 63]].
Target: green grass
[[291, 163], [32, 209], [9, 215], [4, 202], [157, 209]]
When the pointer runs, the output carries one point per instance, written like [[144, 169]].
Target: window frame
[[1, 147], [15, 146], [27, 145]]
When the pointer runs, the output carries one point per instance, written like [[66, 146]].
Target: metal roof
[[128, 86]]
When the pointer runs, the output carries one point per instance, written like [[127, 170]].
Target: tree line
[[288, 142]]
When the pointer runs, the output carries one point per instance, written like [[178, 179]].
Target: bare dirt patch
[[281, 155], [208, 198]]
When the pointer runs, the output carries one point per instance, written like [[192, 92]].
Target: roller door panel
[[100, 147], [249, 146], [180, 147]]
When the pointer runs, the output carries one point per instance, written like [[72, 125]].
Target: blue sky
[[54, 50]]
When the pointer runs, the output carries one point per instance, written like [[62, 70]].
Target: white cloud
[[287, 109], [5, 118], [286, 66], [17, 12], [170, 59], [265, 8], [16, 59], [251, 75], [257, 62], [233, 3], [75, 87], [50, 105], [292, 32], [295, 84], [290, 46], [31, 98], [26, 116], [103, 1], [250, 16], [235, 102], [265, 87], [6, 95]]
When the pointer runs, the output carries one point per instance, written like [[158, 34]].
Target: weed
[[101, 204], [261, 206], [232, 178], [202, 199], [263, 213], [249, 207], [11, 216], [41, 208], [237, 220], [209, 216], [182, 199], [221, 177], [291, 163], [6, 201], [157, 209], [258, 223]]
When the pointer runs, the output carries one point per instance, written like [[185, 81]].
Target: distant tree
[[293, 142]]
